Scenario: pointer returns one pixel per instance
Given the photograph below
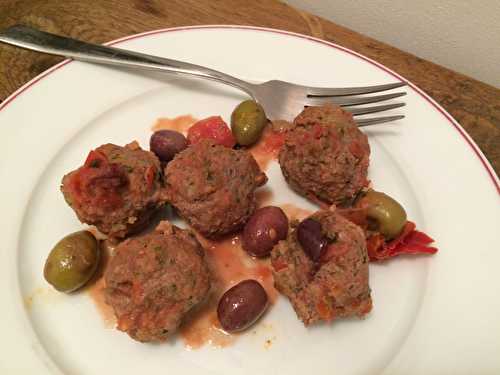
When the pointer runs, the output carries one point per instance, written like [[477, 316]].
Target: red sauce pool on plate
[[203, 327], [95, 288], [96, 292], [264, 196], [230, 264], [268, 147], [179, 123]]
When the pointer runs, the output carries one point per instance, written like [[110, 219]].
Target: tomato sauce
[[203, 327], [179, 123], [264, 196], [267, 148], [229, 264], [95, 288], [96, 293]]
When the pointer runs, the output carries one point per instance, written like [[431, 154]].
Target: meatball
[[334, 286], [117, 189], [325, 156], [213, 186], [154, 280]]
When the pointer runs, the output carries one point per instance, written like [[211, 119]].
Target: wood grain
[[474, 104]]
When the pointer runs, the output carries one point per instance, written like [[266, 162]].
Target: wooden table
[[474, 104]]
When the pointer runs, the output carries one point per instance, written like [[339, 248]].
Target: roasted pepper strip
[[410, 241]]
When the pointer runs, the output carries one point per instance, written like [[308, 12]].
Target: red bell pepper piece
[[410, 241]]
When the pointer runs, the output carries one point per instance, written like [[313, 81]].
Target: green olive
[[388, 216], [248, 120], [72, 261]]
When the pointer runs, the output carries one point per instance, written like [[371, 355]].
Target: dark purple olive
[[242, 305], [166, 143], [266, 227], [311, 239]]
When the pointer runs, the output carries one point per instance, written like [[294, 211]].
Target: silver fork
[[281, 100]]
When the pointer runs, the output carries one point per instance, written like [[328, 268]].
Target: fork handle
[[40, 41]]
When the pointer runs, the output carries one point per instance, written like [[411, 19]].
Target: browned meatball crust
[[336, 286], [325, 156], [154, 280], [213, 187], [117, 189]]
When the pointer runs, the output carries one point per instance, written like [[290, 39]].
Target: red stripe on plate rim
[[450, 119]]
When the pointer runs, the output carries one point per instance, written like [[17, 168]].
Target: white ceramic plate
[[432, 315]]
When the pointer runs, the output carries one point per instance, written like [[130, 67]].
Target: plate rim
[[472, 145]]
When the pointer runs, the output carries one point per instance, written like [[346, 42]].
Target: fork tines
[[342, 91], [351, 100], [344, 97]]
